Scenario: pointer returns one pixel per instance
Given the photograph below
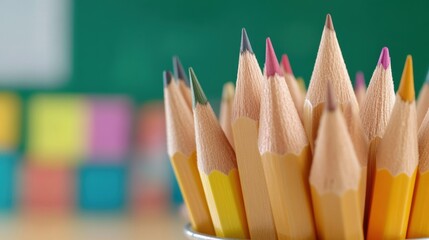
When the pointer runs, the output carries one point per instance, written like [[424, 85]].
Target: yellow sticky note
[[10, 116], [57, 132]]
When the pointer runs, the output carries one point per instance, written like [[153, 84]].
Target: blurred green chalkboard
[[123, 45]]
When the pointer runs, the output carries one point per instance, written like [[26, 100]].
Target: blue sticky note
[[102, 187], [8, 163]]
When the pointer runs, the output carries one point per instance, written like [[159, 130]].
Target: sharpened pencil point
[[228, 91], [245, 43], [271, 64], [286, 64], [360, 80], [198, 95], [331, 104], [329, 23], [179, 72], [406, 87], [384, 59], [167, 78]]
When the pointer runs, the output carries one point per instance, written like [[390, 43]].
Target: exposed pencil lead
[[331, 104], [179, 72], [198, 95], [360, 80], [384, 59], [286, 64], [271, 64], [228, 91], [329, 23], [245, 43], [406, 87], [167, 78]]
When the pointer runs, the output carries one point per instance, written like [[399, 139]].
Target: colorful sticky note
[[102, 187], [10, 114], [58, 128], [151, 128], [150, 183], [47, 188], [109, 128], [8, 176]]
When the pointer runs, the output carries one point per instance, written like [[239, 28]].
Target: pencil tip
[[331, 104], [228, 91], [286, 64], [245, 43], [198, 95], [271, 64], [406, 87], [329, 23], [179, 72], [360, 80], [167, 78], [384, 59]]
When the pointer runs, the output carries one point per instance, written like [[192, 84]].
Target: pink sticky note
[[47, 188], [110, 123]]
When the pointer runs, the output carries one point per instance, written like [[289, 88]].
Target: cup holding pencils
[[288, 165]]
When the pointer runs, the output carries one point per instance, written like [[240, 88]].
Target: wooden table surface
[[92, 227]]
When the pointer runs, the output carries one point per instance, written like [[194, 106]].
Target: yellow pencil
[[418, 226], [218, 169], [329, 66], [360, 143], [396, 166], [375, 114], [335, 178], [245, 123], [182, 81], [286, 156], [225, 116], [301, 84], [181, 149]]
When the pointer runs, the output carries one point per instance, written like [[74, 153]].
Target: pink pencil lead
[[384, 59], [271, 64], [286, 64], [360, 81]]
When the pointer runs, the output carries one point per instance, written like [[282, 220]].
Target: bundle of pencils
[[333, 162]]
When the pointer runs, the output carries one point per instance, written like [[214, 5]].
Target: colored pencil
[[301, 84], [423, 101], [225, 115], [182, 152], [245, 123], [294, 89], [396, 166], [335, 178], [329, 66], [360, 88], [375, 114], [418, 226], [360, 143], [218, 169], [286, 155], [183, 82]]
